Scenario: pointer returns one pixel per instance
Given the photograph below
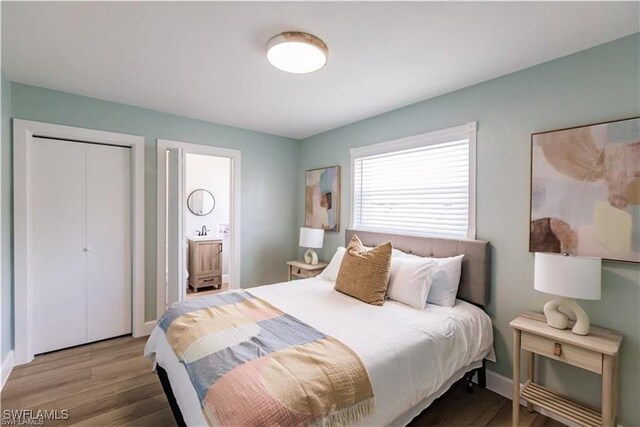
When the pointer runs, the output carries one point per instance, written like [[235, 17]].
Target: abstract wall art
[[322, 198], [585, 191]]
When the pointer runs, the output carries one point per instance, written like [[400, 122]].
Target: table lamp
[[311, 238], [570, 277]]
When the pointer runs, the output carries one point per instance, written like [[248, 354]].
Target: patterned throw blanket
[[253, 365]]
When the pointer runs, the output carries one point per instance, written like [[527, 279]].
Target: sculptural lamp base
[[557, 319], [311, 257]]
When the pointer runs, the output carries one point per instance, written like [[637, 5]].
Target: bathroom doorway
[[207, 220], [198, 221]]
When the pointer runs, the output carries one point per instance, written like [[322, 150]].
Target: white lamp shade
[[311, 237], [568, 276]]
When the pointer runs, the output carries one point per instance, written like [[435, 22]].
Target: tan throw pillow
[[364, 273]]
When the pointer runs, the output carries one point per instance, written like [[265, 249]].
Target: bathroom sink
[[205, 238]]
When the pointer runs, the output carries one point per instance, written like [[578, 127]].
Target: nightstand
[[596, 352], [303, 270]]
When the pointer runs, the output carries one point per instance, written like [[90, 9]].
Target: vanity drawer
[[580, 357], [208, 281]]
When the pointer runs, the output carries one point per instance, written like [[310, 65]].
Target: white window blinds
[[419, 185]]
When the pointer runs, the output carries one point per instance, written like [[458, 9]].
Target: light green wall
[[6, 256], [268, 174], [602, 83], [596, 85]]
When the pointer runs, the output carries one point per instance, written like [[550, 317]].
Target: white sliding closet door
[[108, 241], [81, 235], [58, 266]]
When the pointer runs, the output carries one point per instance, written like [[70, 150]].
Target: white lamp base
[[557, 319], [311, 257]]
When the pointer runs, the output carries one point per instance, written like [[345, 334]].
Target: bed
[[412, 356]]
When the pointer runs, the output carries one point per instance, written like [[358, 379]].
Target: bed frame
[[476, 265], [474, 284], [171, 398]]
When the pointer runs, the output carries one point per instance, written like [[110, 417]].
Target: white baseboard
[[499, 384], [225, 278], [146, 329], [503, 386], [7, 366]]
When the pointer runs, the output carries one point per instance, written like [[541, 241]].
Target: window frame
[[466, 131]]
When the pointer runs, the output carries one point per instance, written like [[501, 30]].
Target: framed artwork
[[585, 191], [322, 198]]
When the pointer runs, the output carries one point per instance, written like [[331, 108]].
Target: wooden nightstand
[[596, 352], [303, 270]]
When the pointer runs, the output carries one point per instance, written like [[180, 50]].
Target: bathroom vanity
[[205, 262]]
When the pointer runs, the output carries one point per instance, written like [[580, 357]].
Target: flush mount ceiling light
[[296, 52]]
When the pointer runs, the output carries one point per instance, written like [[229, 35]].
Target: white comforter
[[412, 356]]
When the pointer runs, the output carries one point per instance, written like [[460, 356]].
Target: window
[[424, 184]]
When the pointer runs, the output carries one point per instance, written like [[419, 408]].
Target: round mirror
[[201, 202]]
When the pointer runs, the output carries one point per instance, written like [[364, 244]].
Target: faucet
[[203, 231]]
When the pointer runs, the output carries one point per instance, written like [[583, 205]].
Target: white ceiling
[[207, 60]]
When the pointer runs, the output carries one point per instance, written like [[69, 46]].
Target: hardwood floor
[[481, 408], [206, 291], [110, 383]]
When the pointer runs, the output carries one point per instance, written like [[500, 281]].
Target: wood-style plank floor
[[206, 291], [110, 383]]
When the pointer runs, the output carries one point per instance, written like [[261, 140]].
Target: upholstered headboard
[[474, 283]]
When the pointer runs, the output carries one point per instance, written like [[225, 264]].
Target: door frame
[[23, 134], [234, 261], [174, 253]]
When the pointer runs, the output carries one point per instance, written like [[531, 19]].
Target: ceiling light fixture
[[296, 52]]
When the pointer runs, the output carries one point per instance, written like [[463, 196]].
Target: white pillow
[[396, 253], [331, 271], [410, 280], [446, 280], [399, 254]]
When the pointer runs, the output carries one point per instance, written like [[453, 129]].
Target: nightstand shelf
[[596, 352], [303, 270], [554, 402]]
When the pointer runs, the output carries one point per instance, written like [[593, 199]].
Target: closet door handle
[[87, 249]]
